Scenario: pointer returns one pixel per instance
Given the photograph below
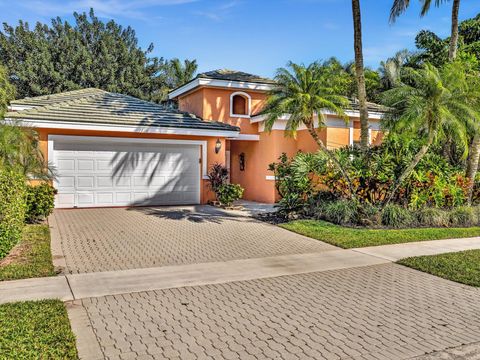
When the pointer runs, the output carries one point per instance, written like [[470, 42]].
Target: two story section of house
[[236, 98]]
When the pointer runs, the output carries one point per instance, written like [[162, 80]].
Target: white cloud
[[219, 12], [103, 8]]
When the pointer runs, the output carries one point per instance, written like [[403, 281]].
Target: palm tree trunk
[[452, 52], [321, 145], [359, 73], [408, 170], [472, 164]]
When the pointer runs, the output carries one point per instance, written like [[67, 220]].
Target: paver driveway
[[377, 312], [118, 238]]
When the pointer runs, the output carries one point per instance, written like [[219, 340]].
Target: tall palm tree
[[430, 104], [182, 73], [399, 7], [302, 93], [359, 73]]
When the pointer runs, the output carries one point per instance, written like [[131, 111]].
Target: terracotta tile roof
[[102, 107]]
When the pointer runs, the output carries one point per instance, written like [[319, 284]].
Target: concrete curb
[[58, 257]]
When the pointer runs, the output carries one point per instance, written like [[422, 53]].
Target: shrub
[[228, 193], [341, 212], [217, 176], [432, 217], [396, 216], [369, 215], [463, 216], [40, 202], [12, 209]]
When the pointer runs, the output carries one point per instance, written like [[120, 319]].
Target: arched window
[[240, 104]]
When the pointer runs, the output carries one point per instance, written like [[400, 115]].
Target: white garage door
[[126, 174]]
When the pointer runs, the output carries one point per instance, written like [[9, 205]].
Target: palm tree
[[19, 149], [391, 69], [430, 104], [302, 93], [399, 7], [360, 74], [182, 73]]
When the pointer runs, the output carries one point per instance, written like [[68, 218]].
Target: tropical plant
[[20, 150], [396, 216], [359, 73], [181, 73], [301, 93], [391, 69], [399, 6], [430, 103], [217, 176]]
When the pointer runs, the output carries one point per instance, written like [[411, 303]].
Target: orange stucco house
[[115, 150]]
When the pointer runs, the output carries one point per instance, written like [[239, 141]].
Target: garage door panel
[[123, 174]]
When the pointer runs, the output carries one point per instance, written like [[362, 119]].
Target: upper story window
[[240, 103]]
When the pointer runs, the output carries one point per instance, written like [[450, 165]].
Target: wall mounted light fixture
[[218, 146], [241, 159]]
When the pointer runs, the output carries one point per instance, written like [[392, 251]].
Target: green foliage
[[19, 149], [302, 92], [432, 217], [396, 216], [89, 53], [7, 91], [40, 202], [463, 216], [12, 209], [35, 257], [342, 212], [228, 193], [179, 74], [36, 330]]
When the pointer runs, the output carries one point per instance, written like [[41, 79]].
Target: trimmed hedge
[[12, 209], [40, 202]]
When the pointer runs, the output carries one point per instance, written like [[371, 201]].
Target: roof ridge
[[61, 103], [59, 94]]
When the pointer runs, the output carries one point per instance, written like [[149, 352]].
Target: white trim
[[109, 139], [249, 104], [349, 113], [350, 135], [125, 128], [330, 122], [270, 177], [219, 83], [247, 137]]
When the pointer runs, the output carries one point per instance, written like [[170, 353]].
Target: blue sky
[[255, 36]]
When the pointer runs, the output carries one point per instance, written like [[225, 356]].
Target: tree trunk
[[452, 51], [321, 145], [472, 164], [360, 74], [418, 157]]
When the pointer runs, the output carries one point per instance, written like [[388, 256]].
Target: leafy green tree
[[7, 91], [399, 6], [431, 103], [90, 53], [302, 93]]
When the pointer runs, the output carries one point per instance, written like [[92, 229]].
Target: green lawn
[[31, 257], [462, 267], [348, 238], [36, 330]]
